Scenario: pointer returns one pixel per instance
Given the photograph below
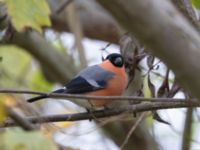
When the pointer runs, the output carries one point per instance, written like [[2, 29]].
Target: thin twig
[[106, 113], [187, 132], [132, 130], [22, 92], [84, 97]]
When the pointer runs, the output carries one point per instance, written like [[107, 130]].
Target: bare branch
[[75, 26], [96, 22], [165, 32], [132, 129], [107, 112], [186, 8], [84, 97]]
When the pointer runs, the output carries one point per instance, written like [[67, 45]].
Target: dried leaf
[[131, 50], [157, 117], [150, 61], [102, 58], [175, 88], [163, 90]]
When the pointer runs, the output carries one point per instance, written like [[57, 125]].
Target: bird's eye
[[118, 62]]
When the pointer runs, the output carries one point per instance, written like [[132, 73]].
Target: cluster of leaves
[[164, 90], [134, 53], [16, 70], [30, 13]]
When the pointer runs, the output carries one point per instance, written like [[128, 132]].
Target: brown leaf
[[163, 90], [150, 61], [157, 117], [175, 88]]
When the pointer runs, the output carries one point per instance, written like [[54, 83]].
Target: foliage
[[16, 139], [38, 82], [13, 66], [3, 113], [15, 71], [29, 13], [196, 3]]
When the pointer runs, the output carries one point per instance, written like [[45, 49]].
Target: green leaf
[[17, 139], [28, 13], [146, 89], [13, 68], [149, 121], [38, 82], [195, 3]]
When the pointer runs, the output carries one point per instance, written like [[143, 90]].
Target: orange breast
[[115, 87]]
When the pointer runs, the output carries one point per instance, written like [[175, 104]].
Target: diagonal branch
[[166, 32], [20, 120], [141, 117]]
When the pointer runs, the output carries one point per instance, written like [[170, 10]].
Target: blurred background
[[58, 39]]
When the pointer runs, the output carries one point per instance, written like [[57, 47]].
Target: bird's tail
[[37, 98]]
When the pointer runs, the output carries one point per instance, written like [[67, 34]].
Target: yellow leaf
[[3, 113], [28, 13], [54, 127], [9, 101], [63, 124]]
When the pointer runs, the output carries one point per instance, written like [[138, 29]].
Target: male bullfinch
[[106, 79]]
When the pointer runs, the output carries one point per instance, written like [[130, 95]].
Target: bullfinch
[[105, 79]]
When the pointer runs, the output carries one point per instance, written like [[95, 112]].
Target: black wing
[[80, 85]]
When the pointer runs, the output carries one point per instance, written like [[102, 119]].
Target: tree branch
[[99, 25], [141, 117], [19, 120], [166, 32], [107, 112], [187, 132], [36, 45], [186, 8]]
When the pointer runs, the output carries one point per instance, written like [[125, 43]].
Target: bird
[[108, 78]]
